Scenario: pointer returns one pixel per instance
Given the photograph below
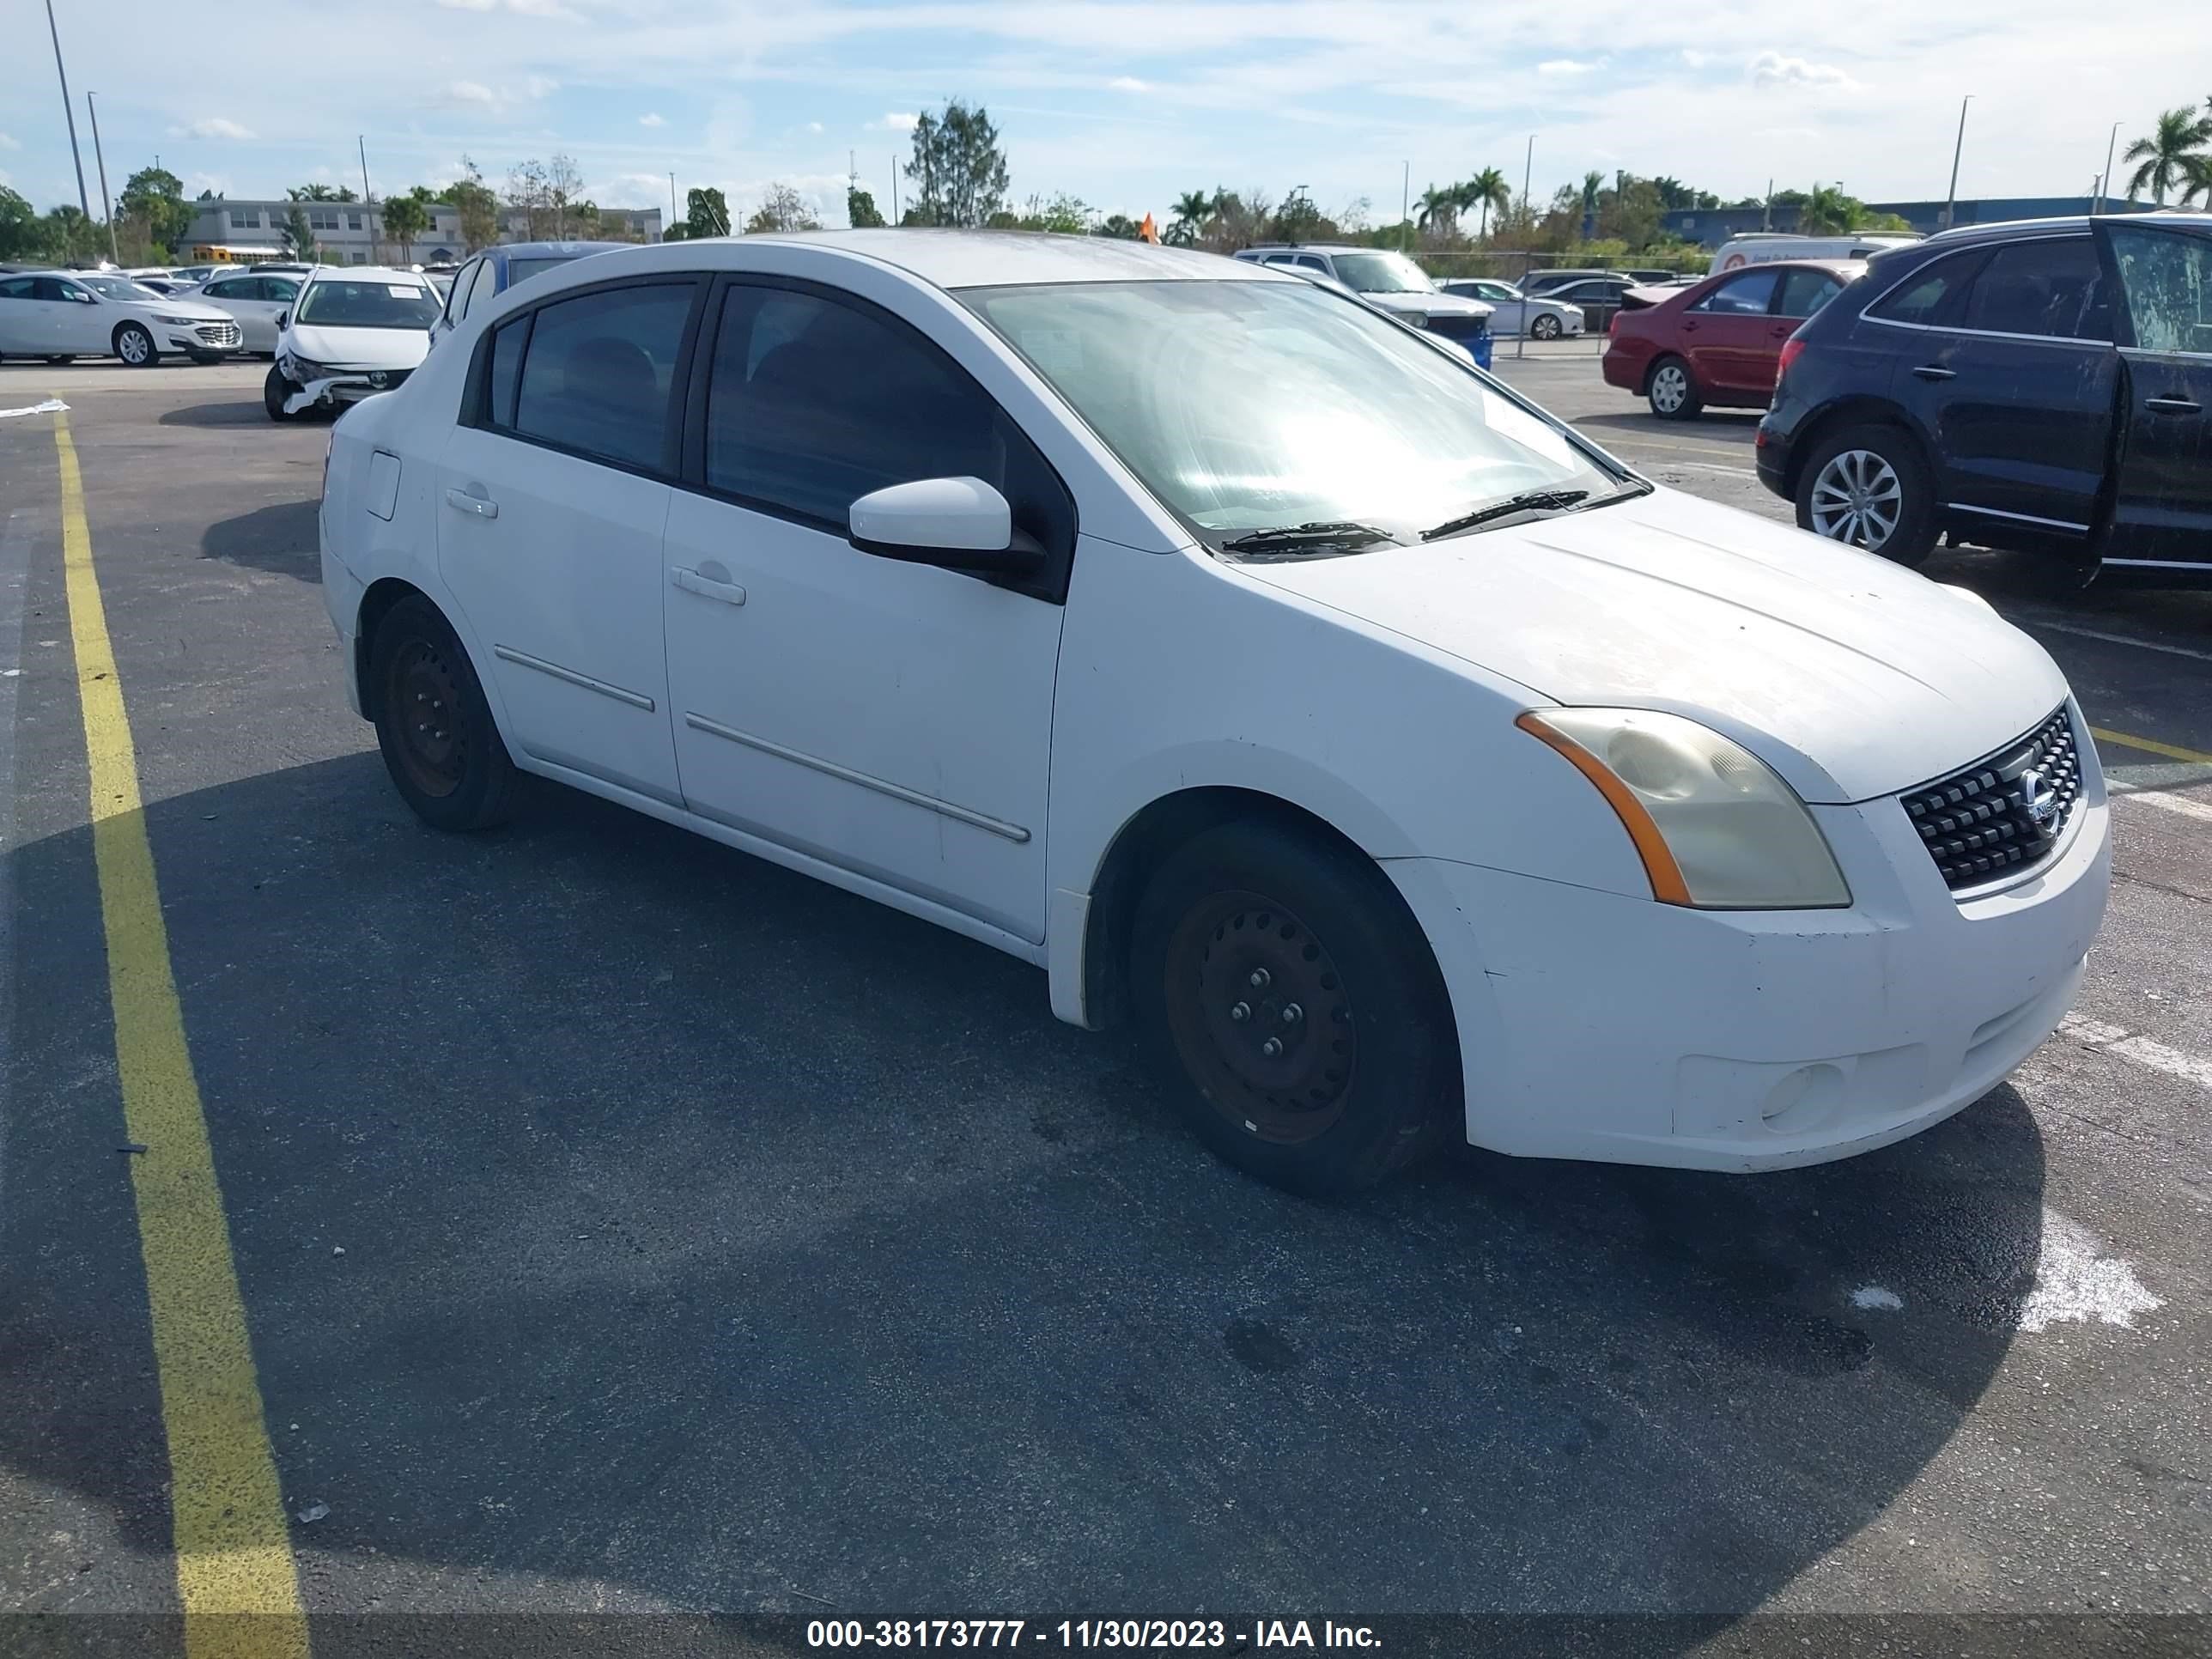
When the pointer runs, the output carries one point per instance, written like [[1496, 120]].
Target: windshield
[[1382, 273], [118, 287], [521, 270], [332, 303], [1255, 405]]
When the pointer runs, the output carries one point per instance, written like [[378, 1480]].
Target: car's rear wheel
[[1290, 994], [1545, 327], [275, 388], [136, 346], [1867, 486], [435, 729], [1671, 392]]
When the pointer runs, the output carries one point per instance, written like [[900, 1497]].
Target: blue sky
[[1126, 104]]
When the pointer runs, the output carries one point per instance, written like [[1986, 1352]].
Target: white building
[[352, 233]]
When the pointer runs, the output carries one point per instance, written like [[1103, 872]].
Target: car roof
[[1006, 258], [1839, 267], [2007, 229], [541, 250], [367, 273], [1313, 247]]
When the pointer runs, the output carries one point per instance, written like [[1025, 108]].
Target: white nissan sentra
[[1407, 767]]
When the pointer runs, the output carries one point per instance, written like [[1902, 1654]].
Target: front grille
[[2004, 813], [218, 334], [1459, 328], [387, 380]]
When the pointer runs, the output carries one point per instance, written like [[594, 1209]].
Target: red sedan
[[1719, 342]]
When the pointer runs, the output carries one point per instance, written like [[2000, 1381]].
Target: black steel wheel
[[1290, 995], [439, 743], [275, 388]]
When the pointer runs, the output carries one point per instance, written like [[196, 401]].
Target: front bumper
[[345, 385], [1596, 1026], [201, 338]]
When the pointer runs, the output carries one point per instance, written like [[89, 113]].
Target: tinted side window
[[812, 403], [599, 370], [457, 296], [507, 347], [1804, 292], [1747, 296], [2168, 280], [1933, 296], [2053, 287], [16, 288], [282, 289]]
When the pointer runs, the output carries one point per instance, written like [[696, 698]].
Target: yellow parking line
[[2151, 746], [233, 1546]]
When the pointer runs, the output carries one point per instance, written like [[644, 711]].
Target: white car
[[354, 331], [1407, 766], [256, 300], [60, 314], [1511, 309], [1386, 279]]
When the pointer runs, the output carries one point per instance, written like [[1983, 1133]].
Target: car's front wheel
[[1546, 327], [1868, 486], [435, 729], [1290, 995], [275, 388], [136, 346], [1671, 392]]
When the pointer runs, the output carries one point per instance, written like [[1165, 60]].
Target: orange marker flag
[[1149, 231]]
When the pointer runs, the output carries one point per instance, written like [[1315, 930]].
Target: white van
[[1759, 246]]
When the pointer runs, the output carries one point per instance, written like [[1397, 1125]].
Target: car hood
[[1851, 676], [177, 306], [1430, 305], [358, 348]]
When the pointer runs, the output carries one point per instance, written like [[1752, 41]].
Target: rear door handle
[[483, 505], [1934, 372], [707, 587], [2172, 406]]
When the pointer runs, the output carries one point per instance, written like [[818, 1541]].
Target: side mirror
[[283, 320], [960, 524]]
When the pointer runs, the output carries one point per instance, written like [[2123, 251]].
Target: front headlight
[[1716, 827], [182, 322], [300, 371]]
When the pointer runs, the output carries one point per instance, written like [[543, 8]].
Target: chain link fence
[[1514, 266]]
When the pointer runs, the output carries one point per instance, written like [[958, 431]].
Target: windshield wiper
[[1297, 537], [1531, 500]]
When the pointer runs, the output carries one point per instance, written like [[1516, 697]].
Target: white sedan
[[1407, 767], [1511, 310], [60, 314], [256, 300], [354, 332]]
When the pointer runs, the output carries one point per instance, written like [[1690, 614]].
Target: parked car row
[[62, 314]]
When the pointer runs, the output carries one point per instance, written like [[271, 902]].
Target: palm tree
[[1488, 190], [2182, 133], [2195, 181], [1825, 212], [1191, 209], [1439, 208]]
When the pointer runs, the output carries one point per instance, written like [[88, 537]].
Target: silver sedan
[[1545, 320]]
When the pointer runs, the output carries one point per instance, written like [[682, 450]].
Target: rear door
[[22, 323], [73, 321], [2162, 511], [1723, 334], [551, 499]]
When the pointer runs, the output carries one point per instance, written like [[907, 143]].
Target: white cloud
[[897, 121], [470, 94], [213, 126], [1127, 83], [541, 86], [469, 5], [1772, 69], [8, 141], [651, 121], [1559, 69], [814, 126], [519, 7], [1695, 58]]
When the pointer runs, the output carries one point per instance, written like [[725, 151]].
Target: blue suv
[[2044, 386], [496, 269]]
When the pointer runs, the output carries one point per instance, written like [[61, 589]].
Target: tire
[[1317, 949], [1545, 327], [1847, 479], [136, 347], [275, 388], [457, 776], [1671, 391]]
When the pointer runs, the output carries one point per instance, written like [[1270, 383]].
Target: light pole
[[1951, 195], [1528, 212], [107, 204], [2104, 188], [69, 114]]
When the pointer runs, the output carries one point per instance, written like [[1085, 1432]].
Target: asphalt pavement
[[622, 1225]]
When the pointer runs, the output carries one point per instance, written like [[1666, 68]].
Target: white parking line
[[2182, 804], [2116, 639], [2115, 1040]]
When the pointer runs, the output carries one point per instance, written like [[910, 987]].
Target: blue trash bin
[[1480, 346]]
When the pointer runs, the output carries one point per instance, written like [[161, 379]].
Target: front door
[[71, 318], [2162, 512], [891, 719], [1725, 334], [551, 499], [2025, 381]]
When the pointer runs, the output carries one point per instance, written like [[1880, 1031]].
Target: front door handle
[[707, 587], [483, 505], [1935, 372], [2172, 406]]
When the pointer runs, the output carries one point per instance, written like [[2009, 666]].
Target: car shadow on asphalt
[[628, 1221], [284, 539], [246, 411]]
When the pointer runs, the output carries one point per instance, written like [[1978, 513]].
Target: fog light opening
[[1801, 1099]]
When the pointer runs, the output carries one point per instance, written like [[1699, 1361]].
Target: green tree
[[154, 196], [860, 210], [21, 236], [706, 213], [1063, 215], [299, 236], [2195, 181], [958, 170], [1439, 209], [781, 208], [470, 197], [1487, 190], [1299, 220], [405, 220], [316, 193], [1191, 209], [1120, 227], [2166, 155], [1826, 211]]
